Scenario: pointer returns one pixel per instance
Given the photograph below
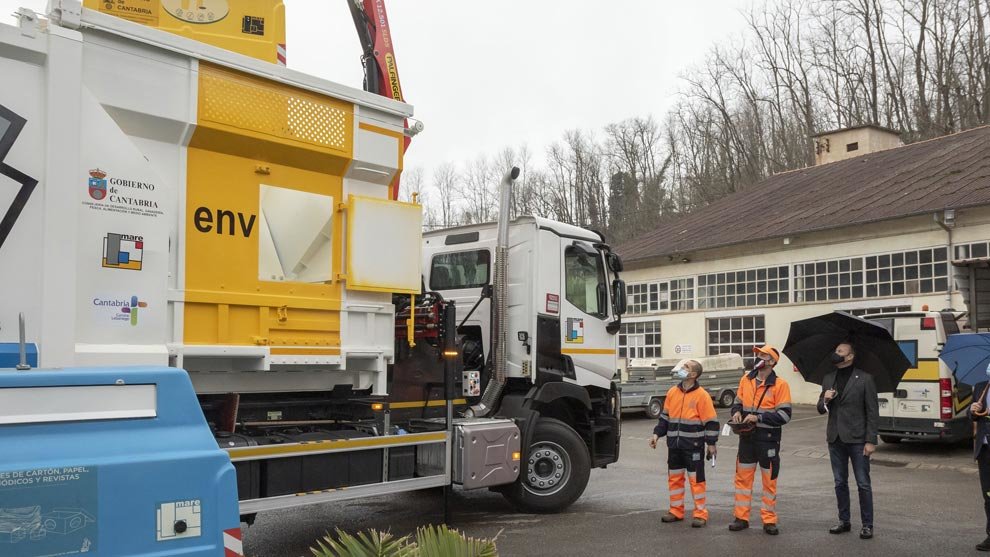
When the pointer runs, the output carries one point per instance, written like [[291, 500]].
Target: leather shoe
[[698, 523], [669, 517], [771, 529], [984, 545], [866, 533], [840, 528], [738, 525]]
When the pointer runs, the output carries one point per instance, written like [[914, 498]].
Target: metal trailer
[[649, 380]]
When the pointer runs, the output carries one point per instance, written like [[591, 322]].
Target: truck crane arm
[[381, 74]]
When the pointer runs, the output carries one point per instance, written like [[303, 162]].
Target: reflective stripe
[[743, 492], [769, 507], [685, 421], [770, 496], [676, 492], [746, 466], [676, 471], [699, 507], [664, 417], [784, 415], [766, 470], [690, 434]]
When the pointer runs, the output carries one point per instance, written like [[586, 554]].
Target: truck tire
[[726, 398], [654, 408], [554, 472]]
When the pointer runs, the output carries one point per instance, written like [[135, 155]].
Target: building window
[[854, 146], [977, 250], [907, 273], [682, 294], [643, 297], [640, 340], [838, 279], [863, 312], [736, 335], [752, 287]]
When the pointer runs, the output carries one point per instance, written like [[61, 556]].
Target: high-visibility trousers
[[688, 463], [766, 455]]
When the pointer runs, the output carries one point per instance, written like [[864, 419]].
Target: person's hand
[[653, 441], [868, 449], [750, 419], [737, 417], [712, 451], [976, 408], [829, 395]]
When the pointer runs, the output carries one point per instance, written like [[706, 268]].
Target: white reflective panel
[[25, 405]]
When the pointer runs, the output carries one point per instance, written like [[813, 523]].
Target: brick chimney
[[847, 143]]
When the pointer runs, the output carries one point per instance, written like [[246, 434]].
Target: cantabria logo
[[126, 310]]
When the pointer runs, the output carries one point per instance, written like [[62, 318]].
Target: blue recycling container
[[111, 462]]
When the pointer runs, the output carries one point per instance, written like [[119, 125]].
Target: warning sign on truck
[[48, 511]]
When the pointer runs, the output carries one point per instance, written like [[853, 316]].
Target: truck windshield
[[584, 276], [463, 269]]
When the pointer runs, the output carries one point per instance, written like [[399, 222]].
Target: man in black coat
[[981, 450], [849, 395]]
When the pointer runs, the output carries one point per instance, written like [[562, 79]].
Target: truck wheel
[[890, 439], [654, 408], [726, 398], [555, 471]]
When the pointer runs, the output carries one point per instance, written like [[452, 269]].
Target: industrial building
[[872, 227]]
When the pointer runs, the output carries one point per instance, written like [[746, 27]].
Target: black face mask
[[837, 359]]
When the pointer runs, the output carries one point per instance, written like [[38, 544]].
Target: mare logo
[[97, 184], [127, 310], [123, 251]]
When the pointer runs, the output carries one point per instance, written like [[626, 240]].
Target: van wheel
[[555, 471], [890, 439], [726, 398], [654, 408]]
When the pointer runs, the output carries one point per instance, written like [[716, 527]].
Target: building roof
[[951, 172], [859, 127]]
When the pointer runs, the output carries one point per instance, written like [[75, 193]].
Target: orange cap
[[768, 350]]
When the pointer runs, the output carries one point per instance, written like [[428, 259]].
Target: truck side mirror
[[615, 263], [619, 295]]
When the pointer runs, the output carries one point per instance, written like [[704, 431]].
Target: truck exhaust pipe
[[501, 289]]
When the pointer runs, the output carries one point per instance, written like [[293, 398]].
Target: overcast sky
[[485, 75]]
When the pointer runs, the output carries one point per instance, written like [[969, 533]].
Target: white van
[[928, 404]]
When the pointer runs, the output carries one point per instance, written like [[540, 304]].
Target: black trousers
[[983, 461]]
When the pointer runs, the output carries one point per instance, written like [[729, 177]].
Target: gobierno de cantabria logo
[[97, 184]]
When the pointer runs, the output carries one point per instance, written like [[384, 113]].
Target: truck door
[[584, 313]]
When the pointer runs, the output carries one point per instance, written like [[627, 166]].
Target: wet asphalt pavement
[[926, 497]]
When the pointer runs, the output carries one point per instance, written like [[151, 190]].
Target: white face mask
[[681, 373]]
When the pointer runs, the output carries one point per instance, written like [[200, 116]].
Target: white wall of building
[[689, 329]]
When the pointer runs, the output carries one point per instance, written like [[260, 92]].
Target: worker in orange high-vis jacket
[[762, 406], [689, 422]]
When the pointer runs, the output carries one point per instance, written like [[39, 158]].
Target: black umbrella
[[811, 342]]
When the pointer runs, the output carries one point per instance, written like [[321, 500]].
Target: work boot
[[738, 524], [984, 545], [866, 533], [698, 523], [841, 528], [771, 529], [670, 517]]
